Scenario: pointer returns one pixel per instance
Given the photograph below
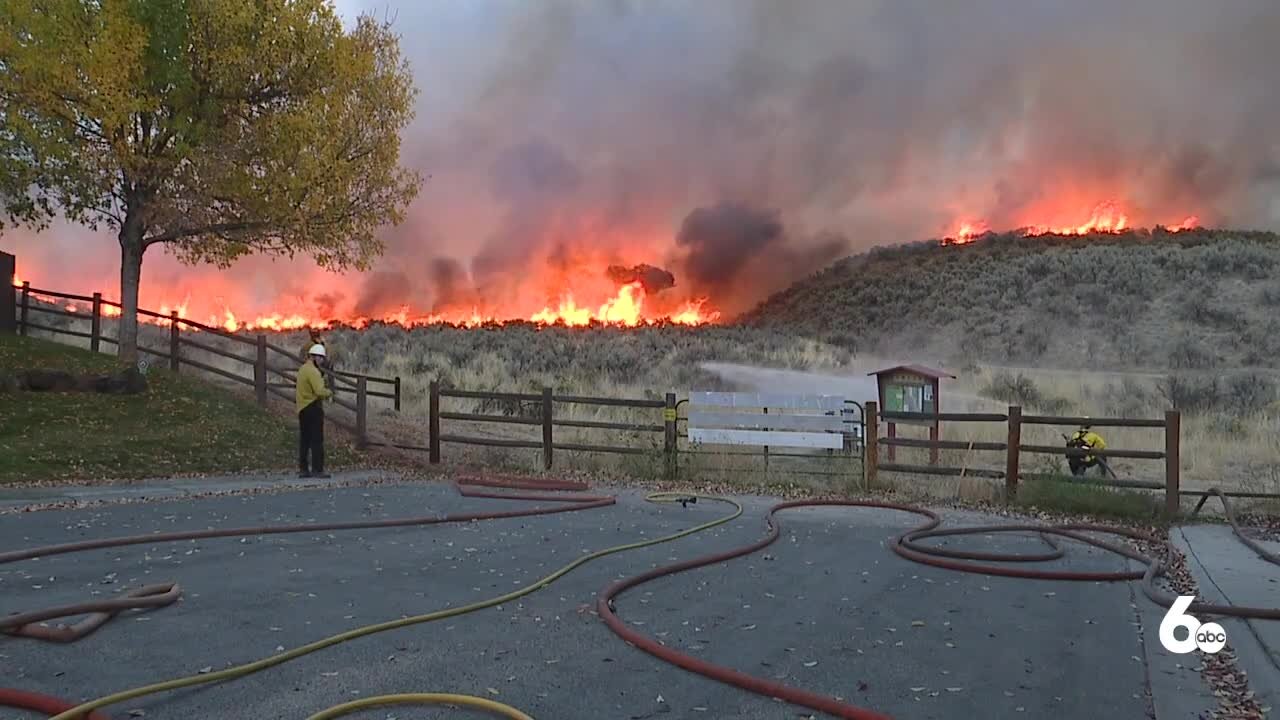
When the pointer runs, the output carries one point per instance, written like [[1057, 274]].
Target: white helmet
[[316, 349]]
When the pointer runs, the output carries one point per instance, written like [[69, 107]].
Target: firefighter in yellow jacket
[[310, 394], [1085, 438]]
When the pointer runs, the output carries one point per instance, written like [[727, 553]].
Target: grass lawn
[[1065, 495], [183, 425]]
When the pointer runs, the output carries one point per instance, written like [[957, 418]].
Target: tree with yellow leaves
[[216, 128]]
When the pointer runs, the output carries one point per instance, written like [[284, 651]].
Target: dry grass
[[1219, 448], [1222, 445], [1194, 300]]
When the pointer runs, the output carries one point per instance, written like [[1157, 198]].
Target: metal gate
[[848, 460]]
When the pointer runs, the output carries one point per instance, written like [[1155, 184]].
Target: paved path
[[170, 488], [1228, 572], [828, 608]]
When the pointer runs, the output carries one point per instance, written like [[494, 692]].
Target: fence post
[[397, 391], [95, 325], [1172, 463], [546, 428], [362, 412], [433, 423], [26, 303], [8, 310], [1012, 453], [173, 340], [933, 447], [669, 436], [260, 370], [871, 445]]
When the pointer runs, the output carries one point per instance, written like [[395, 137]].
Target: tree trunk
[[131, 249]]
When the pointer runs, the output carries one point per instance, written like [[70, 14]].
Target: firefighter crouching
[[1086, 439]]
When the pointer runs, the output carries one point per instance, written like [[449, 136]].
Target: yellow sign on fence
[[669, 415]]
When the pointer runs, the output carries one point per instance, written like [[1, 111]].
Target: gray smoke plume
[[735, 252], [652, 279], [383, 292], [560, 130], [583, 124]]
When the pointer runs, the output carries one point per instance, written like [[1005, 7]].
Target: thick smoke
[[734, 251], [737, 142], [652, 279], [602, 128]]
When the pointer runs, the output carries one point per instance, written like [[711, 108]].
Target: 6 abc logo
[[1209, 637]]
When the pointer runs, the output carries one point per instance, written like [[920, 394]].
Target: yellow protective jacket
[[310, 387], [1089, 439]]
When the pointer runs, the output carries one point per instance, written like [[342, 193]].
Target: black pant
[[1081, 466], [311, 437]]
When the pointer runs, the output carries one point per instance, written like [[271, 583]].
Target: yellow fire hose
[[250, 668], [468, 701]]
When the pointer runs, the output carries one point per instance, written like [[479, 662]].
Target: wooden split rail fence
[[271, 368], [840, 430], [1013, 447], [545, 403]]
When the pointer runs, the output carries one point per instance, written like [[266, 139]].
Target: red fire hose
[[43, 704], [910, 545], [154, 596]]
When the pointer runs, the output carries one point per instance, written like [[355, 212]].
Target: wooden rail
[[1013, 447], [258, 377], [545, 403]]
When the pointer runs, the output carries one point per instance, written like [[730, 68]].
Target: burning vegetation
[[727, 247], [1106, 218], [634, 299]]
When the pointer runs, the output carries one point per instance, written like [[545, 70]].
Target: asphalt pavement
[[828, 608], [1229, 573]]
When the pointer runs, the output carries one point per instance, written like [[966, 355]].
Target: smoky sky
[[846, 123], [737, 143]]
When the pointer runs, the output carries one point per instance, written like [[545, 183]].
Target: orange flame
[[626, 308], [1106, 217]]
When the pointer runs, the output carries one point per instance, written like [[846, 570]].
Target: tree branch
[[216, 228]]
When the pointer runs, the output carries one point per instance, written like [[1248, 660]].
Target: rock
[[49, 381], [127, 381]]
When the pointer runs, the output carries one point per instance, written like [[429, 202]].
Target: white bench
[[768, 419]]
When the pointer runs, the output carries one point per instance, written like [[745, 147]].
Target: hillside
[[1142, 300], [181, 425]]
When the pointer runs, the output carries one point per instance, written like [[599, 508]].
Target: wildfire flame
[[626, 308], [1105, 217]]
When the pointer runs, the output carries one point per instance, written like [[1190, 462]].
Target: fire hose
[[66, 711], [909, 544]]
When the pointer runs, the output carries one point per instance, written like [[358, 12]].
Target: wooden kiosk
[[911, 389]]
